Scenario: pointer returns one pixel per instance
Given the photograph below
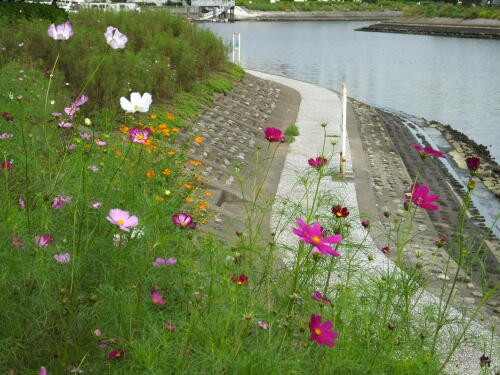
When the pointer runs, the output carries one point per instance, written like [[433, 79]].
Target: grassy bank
[[100, 272]]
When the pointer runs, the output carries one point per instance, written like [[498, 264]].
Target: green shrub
[[163, 56], [12, 12]]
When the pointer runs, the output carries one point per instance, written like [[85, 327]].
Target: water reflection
[[451, 80]]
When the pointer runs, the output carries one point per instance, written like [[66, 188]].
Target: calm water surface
[[451, 80]]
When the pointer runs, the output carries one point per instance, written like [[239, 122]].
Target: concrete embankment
[[255, 15], [440, 26]]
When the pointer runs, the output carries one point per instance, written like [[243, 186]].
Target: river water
[[451, 80]]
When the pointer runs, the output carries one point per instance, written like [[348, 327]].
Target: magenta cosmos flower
[[473, 164], [137, 135], [318, 162], [314, 235], [240, 279], [321, 333], [317, 296], [422, 198], [274, 135], [340, 211], [117, 353], [428, 151], [183, 220], [385, 250], [43, 241], [81, 100], [43, 371], [157, 299], [63, 31], [440, 242], [122, 219], [7, 165]]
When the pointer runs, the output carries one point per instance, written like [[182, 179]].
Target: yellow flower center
[[339, 214], [140, 136], [121, 222], [317, 331], [316, 239], [239, 282], [136, 106]]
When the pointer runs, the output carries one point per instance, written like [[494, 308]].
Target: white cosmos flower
[[137, 102], [115, 38]]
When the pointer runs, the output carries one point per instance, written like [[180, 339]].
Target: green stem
[[50, 82]]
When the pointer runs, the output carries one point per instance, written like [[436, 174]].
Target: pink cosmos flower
[[262, 325], [59, 201], [422, 198], [63, 124], [122, 219], [473, 164], [157, 299], [162, 262], [170, 326], [94, 168], [63, 31], [6, 135], [43, 371], [86, 136], [183, 220], [56, 114], [385, 250], [43, 241], [71, 147], [22, 204], [274, 135], [428, 151], [16, 242], [321, 332], [117, 353], [70, 111], [62, 258], [98, 142], [97, 332], [115, 38], [137, 135], [95, 205], [318, 162], [314, 235], [317, 296], [81, 100]]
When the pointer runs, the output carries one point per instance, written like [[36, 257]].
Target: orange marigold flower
[[199, 178], [169, 117], [176, 130], [166, 132], [195, 162], [187, 186], [140, 123], [166, 172], [153, 116], [189, 200], [202, 206], [208, 194], [150, 174], [124, 129], [153, 130], [198, 139], [160, 198], [171, 152], [162, 126], [148, 142], [149, 150]]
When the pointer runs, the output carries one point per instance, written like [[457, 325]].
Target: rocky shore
[[440, 26]]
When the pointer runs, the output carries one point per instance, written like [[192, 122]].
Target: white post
[[239, 48], [233, 47], [344, 130]]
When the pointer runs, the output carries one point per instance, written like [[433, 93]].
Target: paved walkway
[[320, 105]]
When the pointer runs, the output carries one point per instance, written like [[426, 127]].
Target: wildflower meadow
[[108, 263]]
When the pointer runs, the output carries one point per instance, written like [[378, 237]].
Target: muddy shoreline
[[441, 26]]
